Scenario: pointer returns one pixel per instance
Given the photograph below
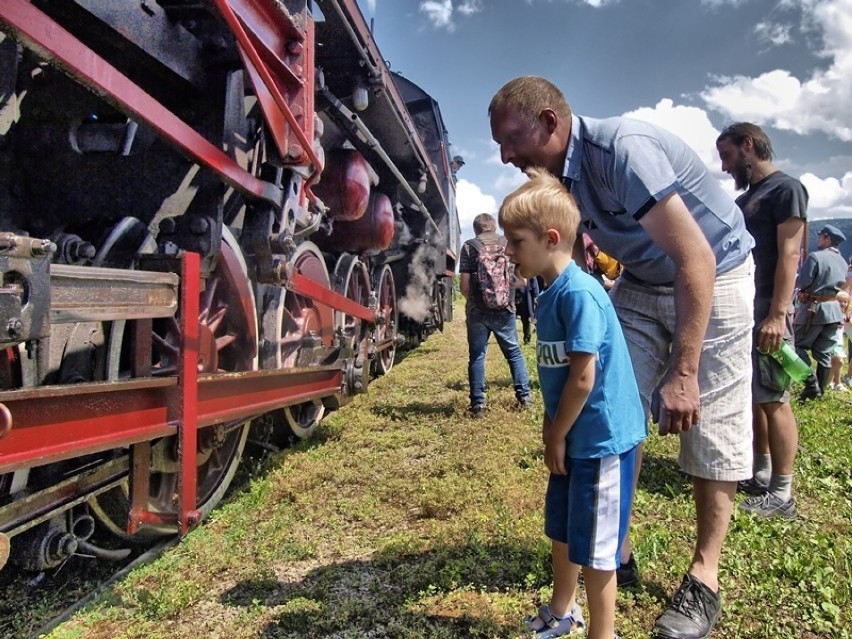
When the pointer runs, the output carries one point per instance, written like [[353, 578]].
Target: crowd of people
[[696, 295]]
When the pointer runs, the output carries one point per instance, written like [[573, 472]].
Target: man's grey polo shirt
[[618, 168]]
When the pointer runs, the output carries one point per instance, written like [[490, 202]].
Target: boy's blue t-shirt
[[575, 314]]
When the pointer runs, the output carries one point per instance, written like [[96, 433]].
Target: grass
[[403, 518]]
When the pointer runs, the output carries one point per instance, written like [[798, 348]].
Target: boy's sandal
[[548, 621]]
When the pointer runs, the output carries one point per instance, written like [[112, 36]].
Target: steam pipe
[[370, 139], [89, 548], [82, 527]]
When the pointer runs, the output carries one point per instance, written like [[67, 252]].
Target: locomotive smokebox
[[345, 185], [373, 232]]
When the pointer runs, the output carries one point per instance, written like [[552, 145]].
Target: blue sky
[[692, 66]]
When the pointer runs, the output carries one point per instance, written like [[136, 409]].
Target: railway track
[[34, 603]]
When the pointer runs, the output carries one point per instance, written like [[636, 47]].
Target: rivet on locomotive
[[218, 221]]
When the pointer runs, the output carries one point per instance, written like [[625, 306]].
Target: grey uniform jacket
[[821, 276]]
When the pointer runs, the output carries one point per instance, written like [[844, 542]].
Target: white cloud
[[719, 3], [440, 12], [508, 177], [471, 201], [689, 123], [508, 181], [469, 7], [769, 97], [592, 3], [773, 33], [778, 99], [829, 197]]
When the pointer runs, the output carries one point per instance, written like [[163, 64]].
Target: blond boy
[[593, 419]]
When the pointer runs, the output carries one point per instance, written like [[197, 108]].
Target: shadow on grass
[[663, 476], [402, 412], [387, 591]]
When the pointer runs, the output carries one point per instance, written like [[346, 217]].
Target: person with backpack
[[487, 278]]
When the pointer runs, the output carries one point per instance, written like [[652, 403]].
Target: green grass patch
[[404, 518]]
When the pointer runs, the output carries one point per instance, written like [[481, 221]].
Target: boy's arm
[[577, 388]]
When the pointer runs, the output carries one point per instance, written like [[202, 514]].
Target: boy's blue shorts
[[589, 508]]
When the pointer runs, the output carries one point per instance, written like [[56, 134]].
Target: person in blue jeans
[[482, 321], [593, 421]]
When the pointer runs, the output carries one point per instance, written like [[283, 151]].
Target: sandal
[[545, 624]]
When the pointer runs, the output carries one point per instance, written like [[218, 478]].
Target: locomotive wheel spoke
[[225, 341], [215, 321]]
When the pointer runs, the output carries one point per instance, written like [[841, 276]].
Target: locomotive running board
[[52, 423]]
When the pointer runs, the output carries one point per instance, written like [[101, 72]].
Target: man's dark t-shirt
[[765, 206]]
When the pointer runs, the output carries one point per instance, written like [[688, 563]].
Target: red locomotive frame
[[296, 338]]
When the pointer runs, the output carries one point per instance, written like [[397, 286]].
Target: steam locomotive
[[219, 219]]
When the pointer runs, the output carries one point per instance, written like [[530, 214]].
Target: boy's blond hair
[[538, 205]]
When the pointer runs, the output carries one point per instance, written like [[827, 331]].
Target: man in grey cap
[[455, 164], [818, 313]]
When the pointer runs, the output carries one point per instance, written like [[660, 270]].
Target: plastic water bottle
[[792, 364]]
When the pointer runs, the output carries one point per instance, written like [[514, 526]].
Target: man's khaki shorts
[[720, 446]]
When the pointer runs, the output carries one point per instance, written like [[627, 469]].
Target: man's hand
[[680, 405], [771, 333]]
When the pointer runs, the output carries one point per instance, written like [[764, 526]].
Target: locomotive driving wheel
[[437, 307], [352, 280], [386, 322], [227, 343], [298, 333]]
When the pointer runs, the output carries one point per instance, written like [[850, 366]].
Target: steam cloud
[[417, 302]]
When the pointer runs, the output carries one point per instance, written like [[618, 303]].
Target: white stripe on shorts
[[603, 546]]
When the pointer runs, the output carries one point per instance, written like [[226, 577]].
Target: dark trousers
[[818, 339], [525, 323]]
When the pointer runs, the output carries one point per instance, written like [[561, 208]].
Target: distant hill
[[843, 223]]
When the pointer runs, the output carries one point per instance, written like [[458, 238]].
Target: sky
[[691, 66]]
